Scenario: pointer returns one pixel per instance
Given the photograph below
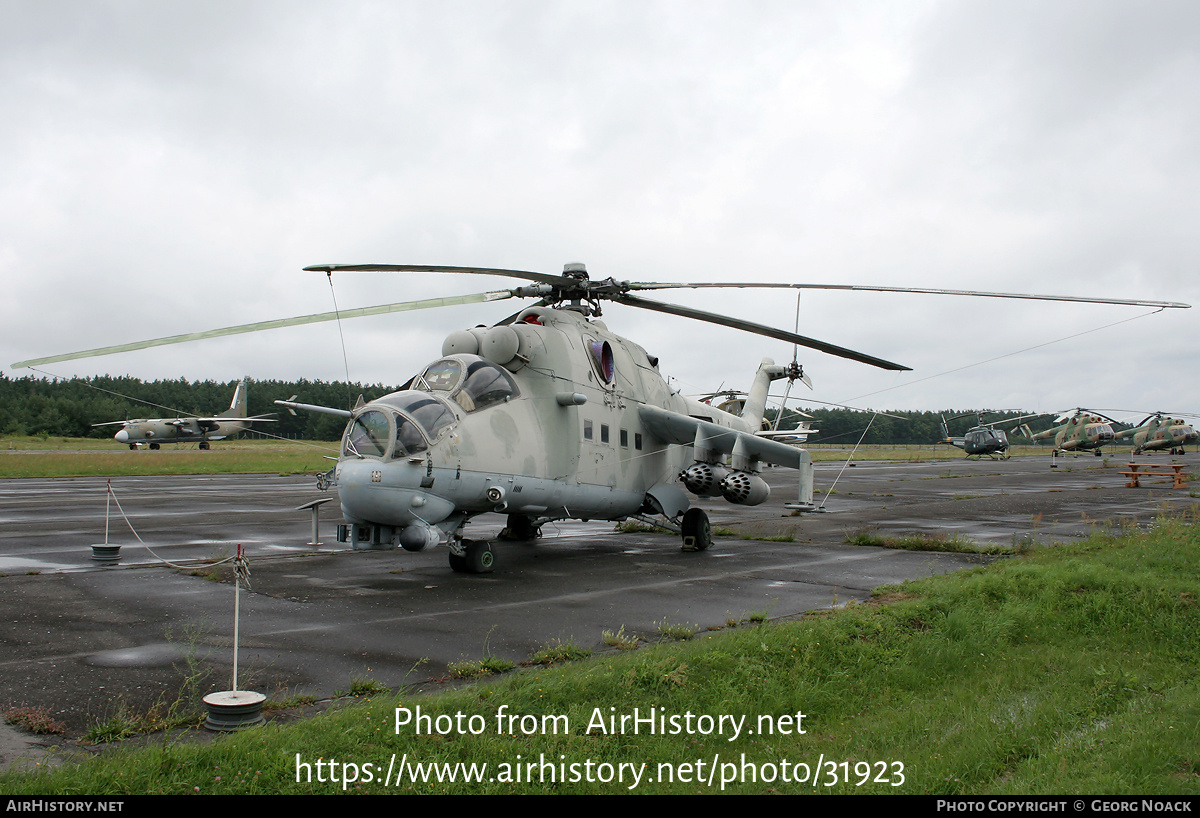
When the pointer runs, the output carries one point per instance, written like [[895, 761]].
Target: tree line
[[68, 407], [848, 426]]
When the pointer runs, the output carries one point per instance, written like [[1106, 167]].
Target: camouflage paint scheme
[[1158, 432], [156, 431]]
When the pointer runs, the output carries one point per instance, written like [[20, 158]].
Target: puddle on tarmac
[[155, 654]]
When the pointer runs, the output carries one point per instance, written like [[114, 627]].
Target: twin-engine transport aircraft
[[153, 432]]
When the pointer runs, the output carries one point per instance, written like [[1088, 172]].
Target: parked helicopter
[[1083, 431], [733, 401], [1158, 432], [981, 440], [547, 415], [155, 431]]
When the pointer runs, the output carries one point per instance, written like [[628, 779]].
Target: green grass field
[[87, 457], [91, 457], [1070, 670]]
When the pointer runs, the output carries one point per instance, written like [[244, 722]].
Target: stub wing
[[674, 428]]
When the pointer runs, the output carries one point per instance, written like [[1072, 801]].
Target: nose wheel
[[477, 557]]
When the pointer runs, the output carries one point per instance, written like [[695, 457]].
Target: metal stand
[[804, 500], [315, 505], [234, 709], [105, 553]]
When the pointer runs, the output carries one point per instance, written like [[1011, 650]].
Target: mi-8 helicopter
[[545, 416], [1082, 430], [1159, 432]]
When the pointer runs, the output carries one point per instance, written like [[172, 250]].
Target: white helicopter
[[545, 416]]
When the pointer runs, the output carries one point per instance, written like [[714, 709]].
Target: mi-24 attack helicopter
[[155, 431], [546, 416]]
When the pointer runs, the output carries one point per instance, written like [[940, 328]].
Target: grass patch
[[939, 542], [557, 653], [85, 457], [1070, 670], [288, 701], [471, 668], [120, 724], [360, 687], [619, 639], [676, 632], [35, 720]]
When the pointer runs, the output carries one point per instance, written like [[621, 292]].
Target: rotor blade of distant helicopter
[[545, 278], [854, 408], [758, 329], [403, 306], [650, 285]]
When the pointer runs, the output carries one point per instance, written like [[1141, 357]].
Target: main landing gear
[[697, 533], [477, 557]]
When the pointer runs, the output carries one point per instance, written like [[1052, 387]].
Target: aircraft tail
[[237, 407], [756, 400]]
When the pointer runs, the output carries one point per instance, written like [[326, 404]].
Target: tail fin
[[237, 407], [756, 400]]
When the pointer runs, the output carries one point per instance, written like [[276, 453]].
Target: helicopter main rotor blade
[[544, 278], [402, 306], [758, 329], [650, 285]]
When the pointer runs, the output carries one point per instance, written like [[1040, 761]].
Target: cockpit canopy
[[420, 414], [469, 381]]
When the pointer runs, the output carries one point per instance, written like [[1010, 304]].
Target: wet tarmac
[[83, 639]]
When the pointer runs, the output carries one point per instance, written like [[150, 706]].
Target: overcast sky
[[171, 166]]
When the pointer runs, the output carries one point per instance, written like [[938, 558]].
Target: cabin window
[[409, 439], [432, 414], [367, 435], [603, 432], [486, 385], [624, 439], [587, 430], [637, 441], [442, 375]]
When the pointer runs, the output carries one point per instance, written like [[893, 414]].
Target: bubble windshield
[[419, 418]]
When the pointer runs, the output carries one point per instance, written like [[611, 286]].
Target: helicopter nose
[[122, 436]]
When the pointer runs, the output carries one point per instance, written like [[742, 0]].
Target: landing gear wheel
[[203, 444], [458, 564], [697, 533], [133, 447], [520, 529], [478, 557], [153, 445]]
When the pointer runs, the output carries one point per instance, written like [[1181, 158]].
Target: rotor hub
[[576, 269]]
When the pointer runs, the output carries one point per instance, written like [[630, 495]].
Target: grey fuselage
[[557, 430]]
